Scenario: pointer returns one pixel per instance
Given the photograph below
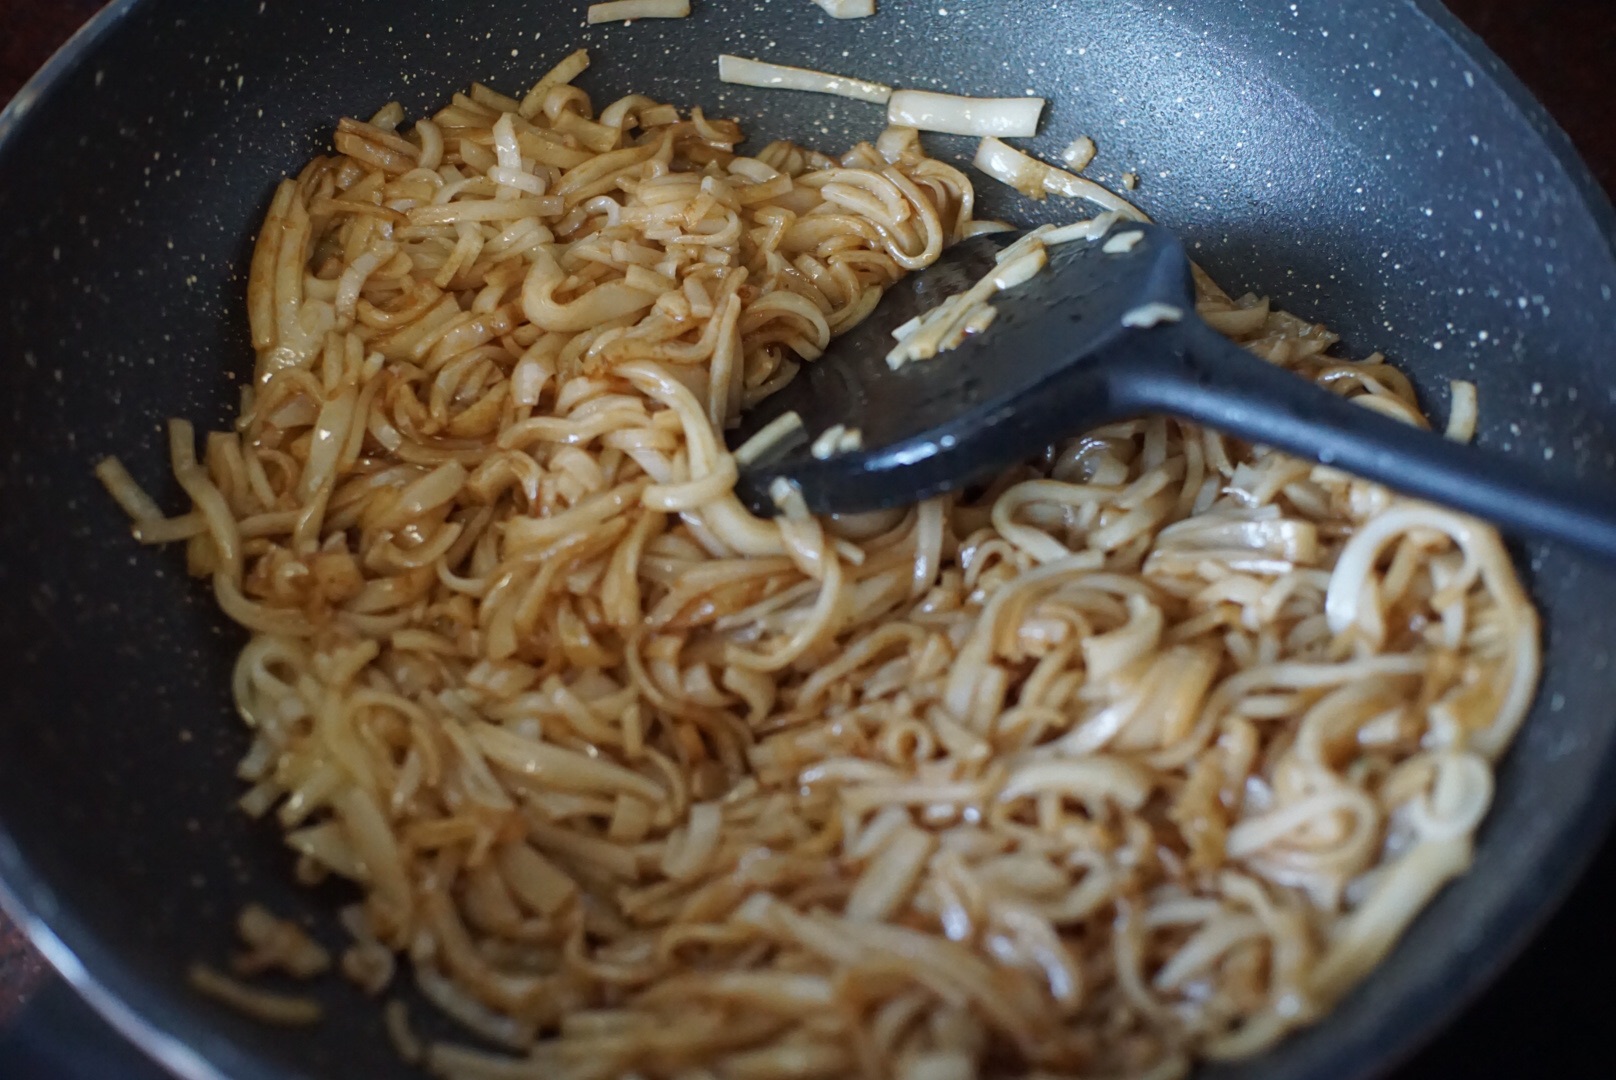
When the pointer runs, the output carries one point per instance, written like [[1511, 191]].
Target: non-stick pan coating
[[1367, 164]]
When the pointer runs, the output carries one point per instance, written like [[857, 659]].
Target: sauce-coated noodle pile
[[1145, 755]]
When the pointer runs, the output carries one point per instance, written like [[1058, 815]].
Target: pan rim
[[1593, 194], [1525, 913], [94, 971], [167, 1029]]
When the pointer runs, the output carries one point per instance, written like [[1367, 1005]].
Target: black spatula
[[1059, 359]]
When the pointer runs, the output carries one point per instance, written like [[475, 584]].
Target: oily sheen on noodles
[[1143, 755]]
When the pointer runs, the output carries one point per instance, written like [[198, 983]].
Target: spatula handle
[[1206, 378]]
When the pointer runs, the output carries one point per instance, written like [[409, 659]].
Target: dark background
[[1548, 1017]]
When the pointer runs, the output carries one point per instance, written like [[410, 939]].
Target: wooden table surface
[[1564, 50]]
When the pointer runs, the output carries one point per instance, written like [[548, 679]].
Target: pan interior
[[1366, 167]]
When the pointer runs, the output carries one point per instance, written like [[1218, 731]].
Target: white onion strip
[[946, 326], [825, 446], [1090, 230], [1035, 178], [1079, 154], [1463, 411], [952, 114], [768, 436], [624, 10], [1122, 242], [1152, 314], [744, 72], [848, 9]]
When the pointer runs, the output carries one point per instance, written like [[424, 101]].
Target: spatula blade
[[1037, 374]]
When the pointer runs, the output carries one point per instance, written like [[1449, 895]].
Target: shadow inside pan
[[1369, 170]]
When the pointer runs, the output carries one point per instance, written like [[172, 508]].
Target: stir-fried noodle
[[1145, 754]]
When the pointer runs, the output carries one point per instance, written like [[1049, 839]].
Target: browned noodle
[[1146, 755]]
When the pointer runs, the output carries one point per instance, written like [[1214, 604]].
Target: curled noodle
[[1144, 754]]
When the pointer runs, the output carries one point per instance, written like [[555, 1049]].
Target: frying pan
[[1368, 164]]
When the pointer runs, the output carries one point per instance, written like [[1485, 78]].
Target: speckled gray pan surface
[[1365, 163]]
